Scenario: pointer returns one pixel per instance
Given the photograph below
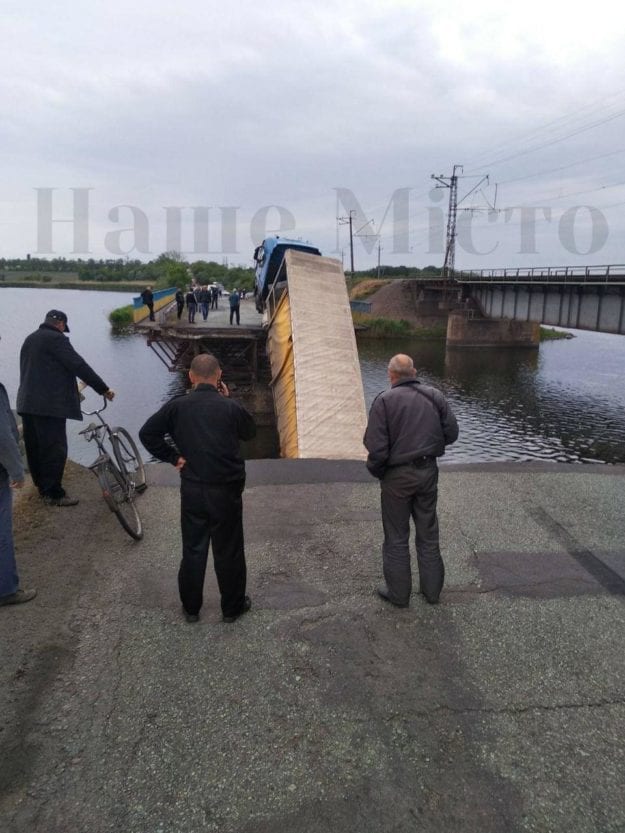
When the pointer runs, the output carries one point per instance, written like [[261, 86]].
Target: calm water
[[565, 402]]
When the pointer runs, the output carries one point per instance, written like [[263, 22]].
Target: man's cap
[[57, 315]]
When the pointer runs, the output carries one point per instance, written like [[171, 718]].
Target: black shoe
[[247, 604], [429, 599], [18, 598], [384, 594], [60, 501], [191, 617]]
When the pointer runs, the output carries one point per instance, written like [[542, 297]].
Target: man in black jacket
[[409, 426], [205, 427], [147, 296], [47, 397]]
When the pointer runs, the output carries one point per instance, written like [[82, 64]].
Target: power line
[[561, 168], [549, 127], [556, 141]]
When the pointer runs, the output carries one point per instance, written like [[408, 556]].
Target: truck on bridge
[[268, 258]]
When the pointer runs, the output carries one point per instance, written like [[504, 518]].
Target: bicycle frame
[[118, 484]]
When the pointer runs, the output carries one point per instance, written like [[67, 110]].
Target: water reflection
[[522, 404]]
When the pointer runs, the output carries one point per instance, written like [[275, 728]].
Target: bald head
[[204, 369], [401, 368]]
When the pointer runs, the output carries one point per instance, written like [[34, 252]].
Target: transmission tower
[[451, 182]]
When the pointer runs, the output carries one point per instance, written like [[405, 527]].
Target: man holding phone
[[205, 427]]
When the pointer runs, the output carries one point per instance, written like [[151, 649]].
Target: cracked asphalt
[[499, 711]]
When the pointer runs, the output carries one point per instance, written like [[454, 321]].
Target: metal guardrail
[[612, 273]]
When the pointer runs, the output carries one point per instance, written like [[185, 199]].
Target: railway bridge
[[581, 297]]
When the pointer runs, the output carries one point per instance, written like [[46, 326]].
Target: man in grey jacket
[[11, 477], [409, 426], [47, 397]]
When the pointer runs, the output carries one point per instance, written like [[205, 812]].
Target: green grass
[[65, 280], [122, 316], [549, 334], [369, 327]]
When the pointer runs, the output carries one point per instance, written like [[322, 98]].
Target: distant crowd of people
[[199, 433], [205, 298]]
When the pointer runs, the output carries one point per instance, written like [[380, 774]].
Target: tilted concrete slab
[[317, 383]]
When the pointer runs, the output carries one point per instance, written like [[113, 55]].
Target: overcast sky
[[246, 118]]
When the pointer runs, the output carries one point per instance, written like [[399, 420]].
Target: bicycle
[[121, 476]]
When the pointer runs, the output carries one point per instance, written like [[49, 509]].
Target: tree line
[[168, 269]]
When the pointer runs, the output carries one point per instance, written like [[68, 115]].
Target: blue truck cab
[[268, 259]]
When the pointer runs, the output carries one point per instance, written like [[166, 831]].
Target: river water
[[564, 402]]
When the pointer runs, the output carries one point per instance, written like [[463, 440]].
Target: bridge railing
[[607, 273]]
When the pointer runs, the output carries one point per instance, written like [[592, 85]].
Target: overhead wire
[[545, 129]]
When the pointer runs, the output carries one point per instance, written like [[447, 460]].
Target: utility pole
[[379, 248], [451, 182], [342, 221]]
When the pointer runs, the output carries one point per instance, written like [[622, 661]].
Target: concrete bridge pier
[[467, 327]]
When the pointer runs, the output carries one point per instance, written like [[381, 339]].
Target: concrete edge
[[290, 472]]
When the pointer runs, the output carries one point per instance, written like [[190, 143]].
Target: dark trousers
[[212, 515], [191, 310], [411, 491], [151, 309], [45, 441], [234, 311], [179, 309], [204, 308]]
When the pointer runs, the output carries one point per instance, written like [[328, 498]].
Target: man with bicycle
[[46, 398], [206, 427]]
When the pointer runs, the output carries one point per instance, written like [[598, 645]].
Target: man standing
[[11, 477], [409, 426], [179, 303], [191, 305], [206, 426], [47, 397], [205, 299], [235, 300], [148, 299]]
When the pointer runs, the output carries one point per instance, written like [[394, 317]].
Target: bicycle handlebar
[[97, 411]]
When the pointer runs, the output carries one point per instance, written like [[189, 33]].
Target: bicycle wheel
[[128, 458], [118, 494]]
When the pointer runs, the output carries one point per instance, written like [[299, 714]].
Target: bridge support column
[[465, 330]]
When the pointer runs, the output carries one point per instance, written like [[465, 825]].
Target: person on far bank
[[48, 396], [199, 433], [11, 477], [235, 300], [148, 299], [409, 426], [179, 303]]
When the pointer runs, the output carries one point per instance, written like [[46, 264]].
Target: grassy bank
[[368, 327], [122, 316], [118, 286], [359, 289], [549, 334]]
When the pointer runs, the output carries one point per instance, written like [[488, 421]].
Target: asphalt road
[[323, 709]]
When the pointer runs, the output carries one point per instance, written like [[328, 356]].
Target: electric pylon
[[450, 182]]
